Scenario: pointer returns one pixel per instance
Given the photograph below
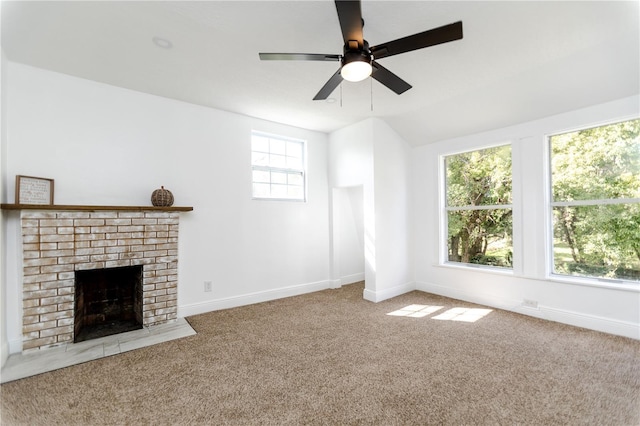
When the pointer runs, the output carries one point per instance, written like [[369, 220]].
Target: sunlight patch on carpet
[[415, 311], [463, 314], [453, 314]]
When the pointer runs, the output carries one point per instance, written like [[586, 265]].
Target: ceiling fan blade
[[427, 38], [350, 17], [298, 57], [389, 79], [329, 86]]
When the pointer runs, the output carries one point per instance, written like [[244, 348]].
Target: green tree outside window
[[479, 212], [595, 201]]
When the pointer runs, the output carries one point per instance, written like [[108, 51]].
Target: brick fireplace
[[56, 244]]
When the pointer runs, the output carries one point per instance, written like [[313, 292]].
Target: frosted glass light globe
[[356, 71]]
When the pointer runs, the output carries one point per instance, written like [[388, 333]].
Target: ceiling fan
[[358, 60]]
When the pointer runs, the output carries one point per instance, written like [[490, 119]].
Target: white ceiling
[[518, 60]]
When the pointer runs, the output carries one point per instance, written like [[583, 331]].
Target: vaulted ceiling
[[518, 60]]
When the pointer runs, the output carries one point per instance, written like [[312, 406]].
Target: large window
[[478, 207], [595, 201], [278, 167]]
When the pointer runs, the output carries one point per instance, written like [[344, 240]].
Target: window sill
[[477, 268], [293, 200], [629, 286], [594, 282]]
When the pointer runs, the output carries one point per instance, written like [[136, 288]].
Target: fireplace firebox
[[107, 301]]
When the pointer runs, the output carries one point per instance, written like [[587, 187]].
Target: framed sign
[[34, 190]]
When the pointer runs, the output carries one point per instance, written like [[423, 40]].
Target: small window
[[278, 167], [478, 207], [595, 202]]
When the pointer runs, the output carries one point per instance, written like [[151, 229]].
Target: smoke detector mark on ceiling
[[162, 42]]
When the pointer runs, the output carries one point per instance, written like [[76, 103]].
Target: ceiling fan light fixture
[[356, 64], [356, 70]]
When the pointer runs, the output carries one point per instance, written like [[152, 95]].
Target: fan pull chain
[[371, 92], [341, 95]]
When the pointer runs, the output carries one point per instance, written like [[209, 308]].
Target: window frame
[[286, 170], [445, 209], [551, 275]]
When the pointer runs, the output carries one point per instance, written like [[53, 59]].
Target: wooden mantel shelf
[[93, 208]]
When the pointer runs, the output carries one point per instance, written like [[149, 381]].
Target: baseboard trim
[[335, 283], [577, 319], [506, 304], [387, 293], [353, 278], [4, 353], [251, 298], [15, 346], [592, 322]]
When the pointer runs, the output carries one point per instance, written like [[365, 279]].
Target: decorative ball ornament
[[162, 197]]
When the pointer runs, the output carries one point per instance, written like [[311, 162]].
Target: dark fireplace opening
[[108, 301]]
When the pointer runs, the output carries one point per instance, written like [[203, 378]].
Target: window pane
[[261, 176], [479, 178], [259, 159], [481, 237], [296, 192], [278, 146], [294, 149], [279, 191], [261, 190], [294, 163], [296, 179], [597, 241], [479, 232], [259, 143], [279, 161], [597, 163], [277, 177], [277, 167]]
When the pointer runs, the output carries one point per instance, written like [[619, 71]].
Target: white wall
[[612, 308], [109, 146], [392, 183], [371, 154], [4, 340], [351, 165], [348, 236]]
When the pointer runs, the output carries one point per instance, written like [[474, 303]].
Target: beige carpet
[[332, 358]]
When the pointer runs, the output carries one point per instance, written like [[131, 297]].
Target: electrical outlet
[[530, 303], [208, 286]]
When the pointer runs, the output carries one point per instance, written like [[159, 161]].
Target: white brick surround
[[55, 244]]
